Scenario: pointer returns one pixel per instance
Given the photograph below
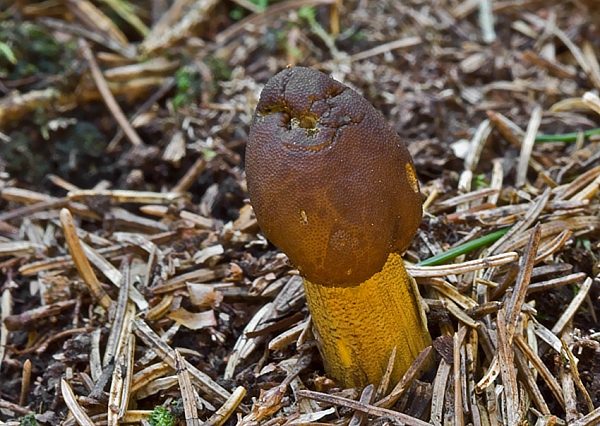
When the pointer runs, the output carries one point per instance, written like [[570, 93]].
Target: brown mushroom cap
[[332, 185]]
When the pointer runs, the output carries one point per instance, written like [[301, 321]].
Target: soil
[[498, 108]]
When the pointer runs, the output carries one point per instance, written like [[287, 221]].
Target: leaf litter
[[133, 271]]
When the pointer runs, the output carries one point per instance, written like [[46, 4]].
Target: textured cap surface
[[332, 185]]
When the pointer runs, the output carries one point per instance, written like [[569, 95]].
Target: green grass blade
[[566, 137], [440, 259]]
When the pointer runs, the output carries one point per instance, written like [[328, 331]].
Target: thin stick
[[486, 21], [590, 419], [513, 309], [507, 369], [167, 85], [117, 325], [190, 176], [386, 47], [541, 368], [555, 282], [533, 213], [411, 374], [527, 147], [25, 382], [358, 418], [119, 196], [461, 268], [228, 408], [187, 391], [458, 341], [53, 203], [81, 262], [166, 353], [385, 380], [71, 401], [107, 96], [439, 391], [532, 386], [576, 377], [15, 408], [365, 408], [5, 311], [573, 307]]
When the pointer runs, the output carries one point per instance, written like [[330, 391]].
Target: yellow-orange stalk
[[358, 327]]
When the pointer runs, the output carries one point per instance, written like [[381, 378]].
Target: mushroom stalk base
[[358, 327]]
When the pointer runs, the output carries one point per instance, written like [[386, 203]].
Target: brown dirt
[[191, 102]]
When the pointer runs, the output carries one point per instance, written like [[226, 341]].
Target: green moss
[[358, 36], [239, 12], [190, 85], [309, 13], [161, 417], [84, 138], [75, 153], [219, 68], [21, 159], [7, 52], [30, 49], [28, 420]]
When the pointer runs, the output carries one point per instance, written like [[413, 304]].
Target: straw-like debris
[[133, 272]]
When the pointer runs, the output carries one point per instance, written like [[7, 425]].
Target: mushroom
[[335, 189]]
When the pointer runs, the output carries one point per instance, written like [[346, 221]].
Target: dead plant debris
[[133, 273]]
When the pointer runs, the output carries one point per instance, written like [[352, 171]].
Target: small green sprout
[[239, 12], [480, 182], [161, 417], [7, 52]]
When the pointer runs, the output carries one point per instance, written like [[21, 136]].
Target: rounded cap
[[332, 185]]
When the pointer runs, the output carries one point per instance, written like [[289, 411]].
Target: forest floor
[[133, 274]]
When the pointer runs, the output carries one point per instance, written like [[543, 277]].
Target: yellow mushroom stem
[[358, 327]]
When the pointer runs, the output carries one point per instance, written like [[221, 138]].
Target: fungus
[[335, 189]]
